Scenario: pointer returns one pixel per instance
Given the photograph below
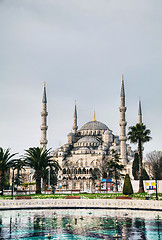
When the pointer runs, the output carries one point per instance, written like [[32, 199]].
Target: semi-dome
[[94, 125], [88, 139]]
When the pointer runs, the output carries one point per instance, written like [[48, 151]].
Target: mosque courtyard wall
[[81, 203]]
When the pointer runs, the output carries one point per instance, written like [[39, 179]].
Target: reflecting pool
[[80, 224]]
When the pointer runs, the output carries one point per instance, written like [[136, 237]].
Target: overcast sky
[[80, 49]]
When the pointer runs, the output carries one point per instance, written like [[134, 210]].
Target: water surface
[[80, 224]]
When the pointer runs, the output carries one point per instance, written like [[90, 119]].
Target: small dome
[[88, 139], [94, 125], [71, 134]]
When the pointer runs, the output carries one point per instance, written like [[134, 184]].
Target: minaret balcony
[[44, 114], [123, 123], [43, 141], [122, 138], [43, 127], [122, 109]]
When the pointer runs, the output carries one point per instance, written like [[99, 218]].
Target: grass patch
[[135, 196]]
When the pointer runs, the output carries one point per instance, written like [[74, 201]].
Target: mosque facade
[[83, 158]]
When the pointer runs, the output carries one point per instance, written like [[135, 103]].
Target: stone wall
[[81, 203]]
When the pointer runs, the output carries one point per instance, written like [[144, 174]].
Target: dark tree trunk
[[141, 187], [38, 182], [1, 182], [116, 184], [44, 184]]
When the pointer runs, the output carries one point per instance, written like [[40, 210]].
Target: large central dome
[[94, 125]]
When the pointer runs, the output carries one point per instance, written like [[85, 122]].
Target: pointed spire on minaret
[[122, 94], [94, 117], [75, 127], [123, 123], [139, 112], [44, 99], [75, 111], [44, 114]]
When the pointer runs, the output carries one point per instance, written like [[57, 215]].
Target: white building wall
[[147, 185]]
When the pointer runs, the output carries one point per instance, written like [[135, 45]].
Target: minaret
[[44, 113], [140, 112], [75, 127], [123, 123]]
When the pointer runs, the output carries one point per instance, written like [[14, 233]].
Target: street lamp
[[12, 190], [30, 176], [30, 180], [156, 176], [49, 178]]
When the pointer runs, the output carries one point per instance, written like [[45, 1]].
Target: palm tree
[[139, 134], [18, 164], [6, 161], [40, 160]]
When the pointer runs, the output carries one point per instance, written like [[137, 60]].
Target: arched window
[[64, 171], [79, 171], [81, 162], [74, 185], [68, 171], [84, 171], [81, 185]]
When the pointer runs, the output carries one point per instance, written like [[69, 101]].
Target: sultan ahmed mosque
[[88, 148]]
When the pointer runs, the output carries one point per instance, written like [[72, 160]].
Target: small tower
[[123, 123], [75, 127], [44, 113], [140, 112]]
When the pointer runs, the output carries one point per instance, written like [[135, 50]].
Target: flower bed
[[123, 197], [72, 197], [23, 197]]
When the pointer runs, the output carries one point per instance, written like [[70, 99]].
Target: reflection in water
[[80, 224]]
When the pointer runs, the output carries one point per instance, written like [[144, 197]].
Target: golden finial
[[123, 76], [94, 119], [44, 84], [59, 143]]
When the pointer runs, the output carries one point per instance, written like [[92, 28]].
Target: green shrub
[[127, 188]]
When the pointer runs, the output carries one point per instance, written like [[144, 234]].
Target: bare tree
[[155, 164], [154, 160]]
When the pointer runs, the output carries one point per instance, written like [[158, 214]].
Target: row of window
[[77, 178], [92, 132], [77, 171]]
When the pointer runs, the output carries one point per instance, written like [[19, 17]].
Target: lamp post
[[156, 176], [12, 190], [49, 178], [30, 176]]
